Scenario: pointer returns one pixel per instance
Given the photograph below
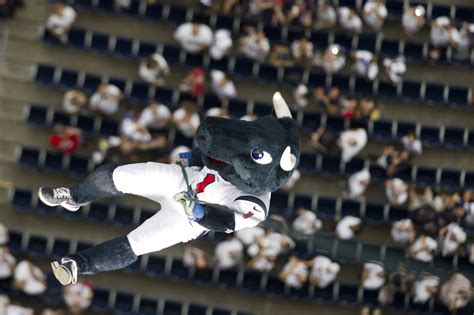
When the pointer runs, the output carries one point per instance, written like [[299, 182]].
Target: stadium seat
[[100, 43], [133, 9], [156, 266], [123, 47], [15, 242], [273, 33], [434, 93], [224, 22], [341, 81], [197, 309], [390, 48], [123, 216], [268, 73], [393, 253], [91, 82], [228, 278], [307, 163], [458, 96], [395, 9], [363, 87], [86, 123], [350, 207], [413, 51], [326, 208], [353, 166], [29, 157], [177, 14], [311, 121], [86, 4], [252, 281], [374, 213], [164, 95], [145, 49], [274, 286], [262, 109], [454, 138], [335, 123], [319, 39], [220, 311], [377, 173], [325, 295], [330, 165], [302, 293], [45, 74], [147, 307], [109, 127], [316, 79], [347, 251], [68, 79], [37, 115], [179, 270], [50, 39], [367, 42], [464, 14], [203, 276], [106, 5], [140, 92], [403, 128], [302, 201], [37, 246], [60, 118], [120, 83], [171, 53], [397, 213], [77, 38], [53, 161], [370, 252], [154, 11], [221, 64], [348, 294], [172, 307], [370, 297], [98, 212], [438, 10], [100, 302], [60, 248], [237, 108], [78, 165], [382, 130], [387, 90], [194, 60], [450, 180], [411, 91], [124, 303], [243, 67], [293, 75], [295, 33], [430, 136]]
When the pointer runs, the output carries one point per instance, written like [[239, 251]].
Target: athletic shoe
[[58, 197], [66, 272]]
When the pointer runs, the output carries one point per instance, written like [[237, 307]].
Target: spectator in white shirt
[[294, 273], [357, 184], [255, 45], [413, 19], [307, 222], [423, 248], [470, 253], [373, 276], [221, 85], [396, 191], [106, 99], [217, 112], [349, 20], [412, 144], [7, 263], [195, 257], [4, 234], [450, 238], [61, 20], [365, 64], [301, 96], [229, 253], [424, 289], [395, 69], [323, 272], [187, 119], [154, 69], [131, 129], [333, 59], [8, 308], [221, 45], [460, 40], [78, 296], [29, 278], [251, 235], [193, 37], [375, 12], [263, 261], [276, 242], [403, 231], [74, 101], [440, 31], [456, 292], [351, 142], [155, 115], [325, 16], [302, 50], [347, 227]]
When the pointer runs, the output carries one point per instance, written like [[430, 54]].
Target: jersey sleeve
[[248, 212]]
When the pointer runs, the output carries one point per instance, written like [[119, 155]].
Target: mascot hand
[[193, 210]]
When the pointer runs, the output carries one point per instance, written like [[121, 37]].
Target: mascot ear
[[287, 160], [280, 106]]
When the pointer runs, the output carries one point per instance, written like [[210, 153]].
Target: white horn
[[287, 160], [280, 106]]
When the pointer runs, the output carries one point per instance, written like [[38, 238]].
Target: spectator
[[439, 34], [333, 59], [249, 117], [393, 160], [250, 236], [424, 289], [194, 82], [7, 263], [285, 13], [29, 278], [74, 101], [263, 8], [323, 272], [217, 112], [450, 238], [373, 276], [195, 257], [8, 7], [396, 191], [349, 20], [263, 260], [330, 99], [131, 129], [413, 19], [155, 115], [470, 253], [221, 45], [302, 50], [8, 308], [460, 40], [276, 242], [412, 144], [357, 184], [221, 85], [294, 273], [154, 69], [348, 107], [193, 37], [307, 222], [66, 140], [367, 109], [351, 142], [255, 45], [367, 311], [229, 253], [294, 178], [326, 17], [281, 56], [395, 69], [375, 12], [60, 21], [78, 296], [49, 311], [423, 248], [4, 234], [103, 147], [403, 231], [365, 64], [301, 96], [456, 292], [106, 99], [347, 227], [187, 119]]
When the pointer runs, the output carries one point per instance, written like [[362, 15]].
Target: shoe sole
[[62, 204], [61, 273]]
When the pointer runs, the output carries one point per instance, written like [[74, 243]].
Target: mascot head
[[257, 156]]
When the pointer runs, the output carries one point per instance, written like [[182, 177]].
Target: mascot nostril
[[222, 185]]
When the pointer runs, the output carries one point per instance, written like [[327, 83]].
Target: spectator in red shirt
[[66, 140], [195, 82]]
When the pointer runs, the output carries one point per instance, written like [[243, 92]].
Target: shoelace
[[73, 269], [62, 193]]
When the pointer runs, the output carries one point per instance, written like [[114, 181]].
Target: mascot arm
[[241, 214]]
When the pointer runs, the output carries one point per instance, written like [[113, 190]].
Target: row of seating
[[412, 91], [174, 269]]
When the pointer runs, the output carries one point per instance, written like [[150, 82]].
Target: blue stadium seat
[[53, 293], [454, 137], [78, 165], [243, 67], [426, 176], [370, 297], [60, 248], [37, 115], [194, 60], [228, 278], [86, 123], [82, 245], [359, 123], [325, 295], [377, 173], [60, 118], [50, 39], [405, 173], [37, 246], [403, 128], [179, 270], [203, 276], [319, 39], [273, 33], [438, 10], [335, 123], [330, 166], [147, 307], [252, 281], [53, 161], [91, 82], [346, 251], [450, 179], [133, 9], [123, 47], [316, 79], [105, 5], [341, 81], [293, 75], [383, 130], [220, 311], [411, 90], [171, 53], [123, 216], [397, 213], [363, 87], [15, 242], [370, 252], [100, 302], [387, 90], [140, 92], [177, 14], [221, 64], [430, 136], [311, 121], [109, 127], [374, 213], [302, 293], [344, 40], [350, 207], [146, 49], [29, 157], [434, 93], [326, 208], [172, 307], [307, 163], [354, 165], [413, 51], [348, 294], [274, 286], [136, 266], [225, 22], [156, 266], [464, 14], [393, 253], [302, 201], [390, 48], [100, 43], [268, 73], [87, 4], [77, 38], [197, 309], [440, 309], [458, 96], [395, 9], [98, 212], [295, 33], [367, 42], [262, 109], [164, 95], [154, 11], [124, 303], [237, 108], [180, 139], [68, 79], [470, 139], [45, 74], [442, 264]]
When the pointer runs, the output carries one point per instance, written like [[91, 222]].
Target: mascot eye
[[261, 157]]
